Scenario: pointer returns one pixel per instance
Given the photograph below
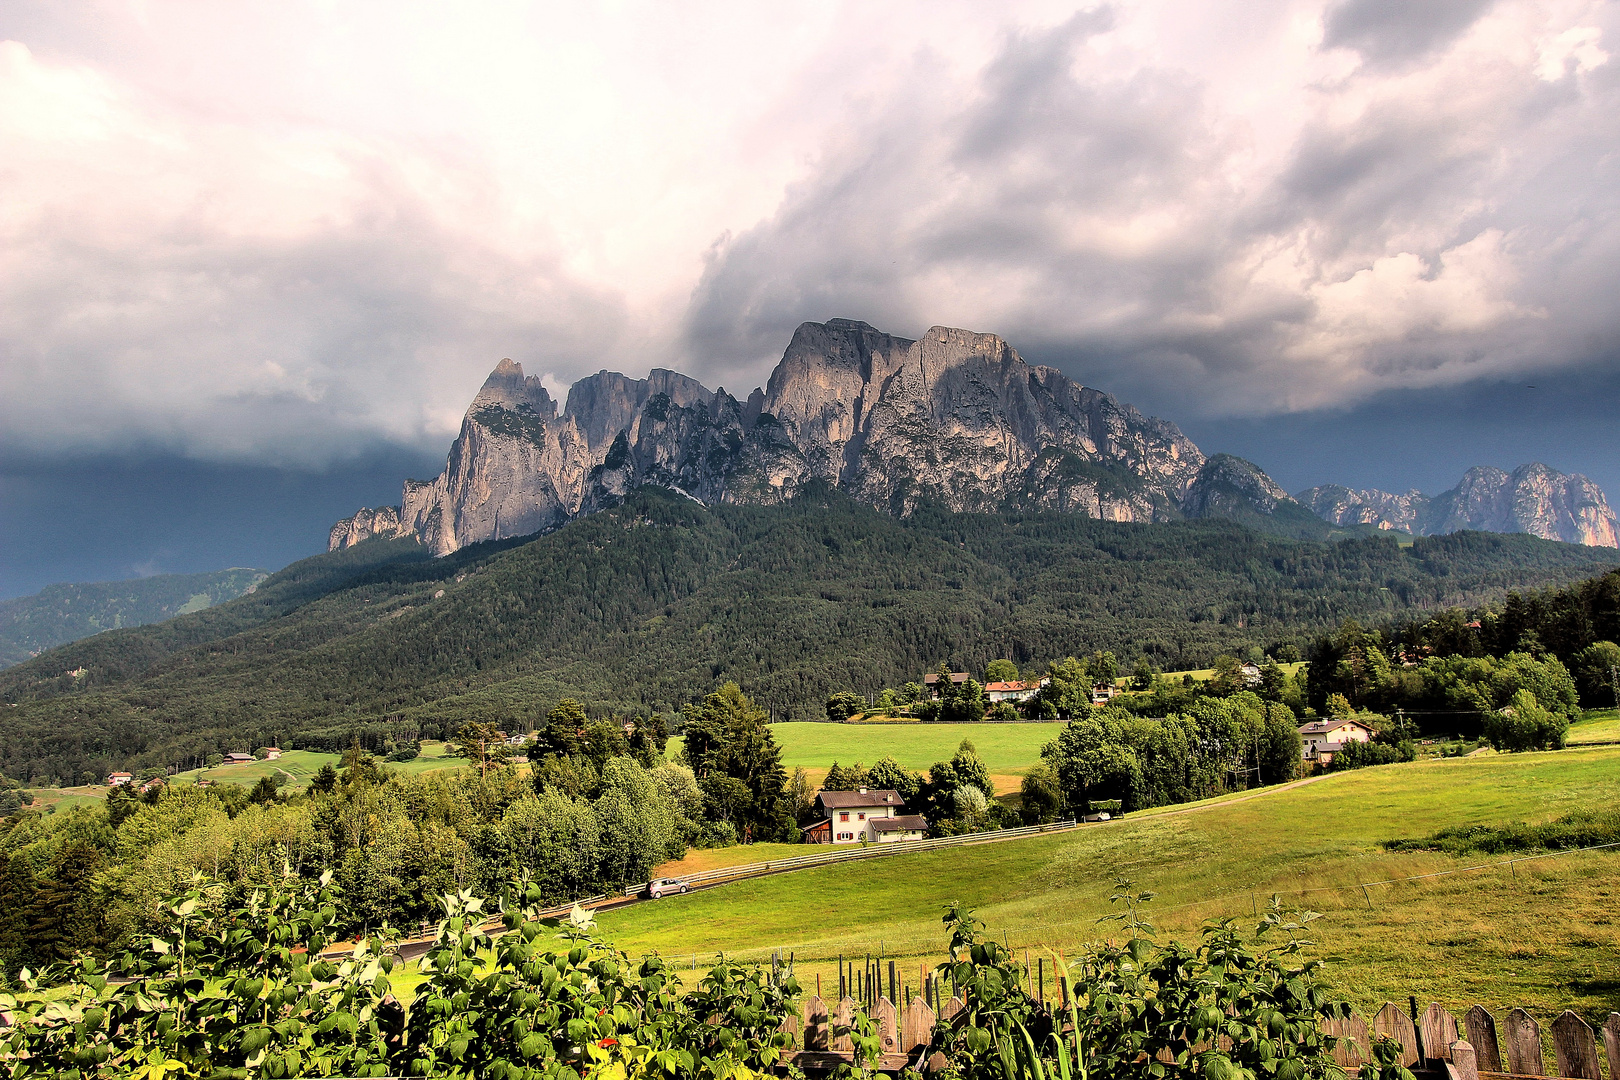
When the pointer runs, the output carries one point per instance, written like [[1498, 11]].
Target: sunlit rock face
[[1531, 499], [957, 418]]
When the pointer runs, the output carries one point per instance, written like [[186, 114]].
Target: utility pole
[[1614, 684]]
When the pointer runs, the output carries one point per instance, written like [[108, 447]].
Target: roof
[[903, 823], [1010, 687], [841, 800], [1322, 727], [119, 774], [956, 676]]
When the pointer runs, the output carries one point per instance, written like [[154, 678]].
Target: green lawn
[[66, 798], [1544, 937], [1007, 750], [1596, 726], [432, 758], [298, 765]]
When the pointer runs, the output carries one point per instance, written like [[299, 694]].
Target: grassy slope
[[1543, 939], [1597, 726], [1006, 749]]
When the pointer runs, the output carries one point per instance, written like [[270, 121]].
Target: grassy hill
[[651, 605], [59, 614], [1007, 750], [1542, 937]]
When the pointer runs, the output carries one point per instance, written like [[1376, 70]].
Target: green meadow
[[1596, 726], [1007, 750], [1541, 934]]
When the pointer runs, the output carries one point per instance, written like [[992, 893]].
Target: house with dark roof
[[876, 816], [931, 682]]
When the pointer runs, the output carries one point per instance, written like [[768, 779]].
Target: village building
[[1251, 673], [152, 785], [271, 753], [239, 759], [931, 682], [1104, 692], [1321, 739], [1012, 691], [875, 816], [118, 779]]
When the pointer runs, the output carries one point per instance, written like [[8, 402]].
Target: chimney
[[863, 791]]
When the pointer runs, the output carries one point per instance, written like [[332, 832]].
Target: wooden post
[[1611, 1044], [1523, 1038], [842, 1044], [1576, 1050], [1464, 1066], [1392, 1022], [894, 992], [916, 1026], [1481, 1027], [1438, 1031], [888, 1024], [1351, 1050], [815, 1024], [1040, 978]]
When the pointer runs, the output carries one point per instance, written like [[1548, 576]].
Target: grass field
[[1543, 935], [300, 766], [1596, 726], [1007, 750], [66, 798]]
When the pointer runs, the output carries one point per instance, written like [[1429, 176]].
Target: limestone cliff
[[956, 417], [1532, 499]]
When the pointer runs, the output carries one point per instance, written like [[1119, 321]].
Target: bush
[[405, 753], [1359, 755], [1566, 834]]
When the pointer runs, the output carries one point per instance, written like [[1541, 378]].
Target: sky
[[255, 259]]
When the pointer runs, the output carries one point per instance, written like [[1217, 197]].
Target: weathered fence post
[[1611, 1044], [1481, 1027], [888, 1023], [1524, 1044], [842, 1044], [1575, 1048], [815, 1024], [916, 1026], [1462, 1065], [1391, 1022], [1439, 1031], [1351, 1049]]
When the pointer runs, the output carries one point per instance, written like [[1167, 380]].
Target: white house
[[1321, 739], [118, 779], [1104, 692], [271, 753], [876, 816], [1012, 691]]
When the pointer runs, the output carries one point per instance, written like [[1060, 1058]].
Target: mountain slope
[[957, 418], [1532, 499], [58, 614], [651, 604]]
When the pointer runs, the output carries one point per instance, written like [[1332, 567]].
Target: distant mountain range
[[956, 418], [1531, 499], [59, 614]]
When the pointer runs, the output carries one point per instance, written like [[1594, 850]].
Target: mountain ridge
[[955, 417], [1534, 499]]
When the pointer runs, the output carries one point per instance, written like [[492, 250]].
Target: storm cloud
[[285, 235]]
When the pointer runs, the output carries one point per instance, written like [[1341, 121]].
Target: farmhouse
[[848, 817], [1321, 739], [239, 759], [271, 753], [1103, 692], [118, 779], [931, 682], [1012, 691]]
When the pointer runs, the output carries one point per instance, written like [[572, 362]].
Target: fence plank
[[1463, 1064], [916, 1026], [1523, 1038], [953, 1005], [1575, 1048], [1481, 1027], [1351, 1031], [814, 1013], [843, 1044], [1391, 1021], [1439, 1030], [1611, 1044], [888, 1025]]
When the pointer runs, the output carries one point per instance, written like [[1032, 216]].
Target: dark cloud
[[1398, 31]]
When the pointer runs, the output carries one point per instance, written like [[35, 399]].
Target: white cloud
[[281, 232]]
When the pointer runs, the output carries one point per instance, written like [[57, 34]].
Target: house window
[[844, 816], [860, 817]]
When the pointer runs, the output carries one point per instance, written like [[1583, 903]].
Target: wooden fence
[[1436, 1044]]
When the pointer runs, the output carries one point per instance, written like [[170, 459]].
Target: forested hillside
[[58, 614], [644, 608]]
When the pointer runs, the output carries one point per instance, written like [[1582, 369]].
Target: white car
[[665, 886]]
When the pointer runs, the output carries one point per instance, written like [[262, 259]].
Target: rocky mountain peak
[[1533, 498]]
